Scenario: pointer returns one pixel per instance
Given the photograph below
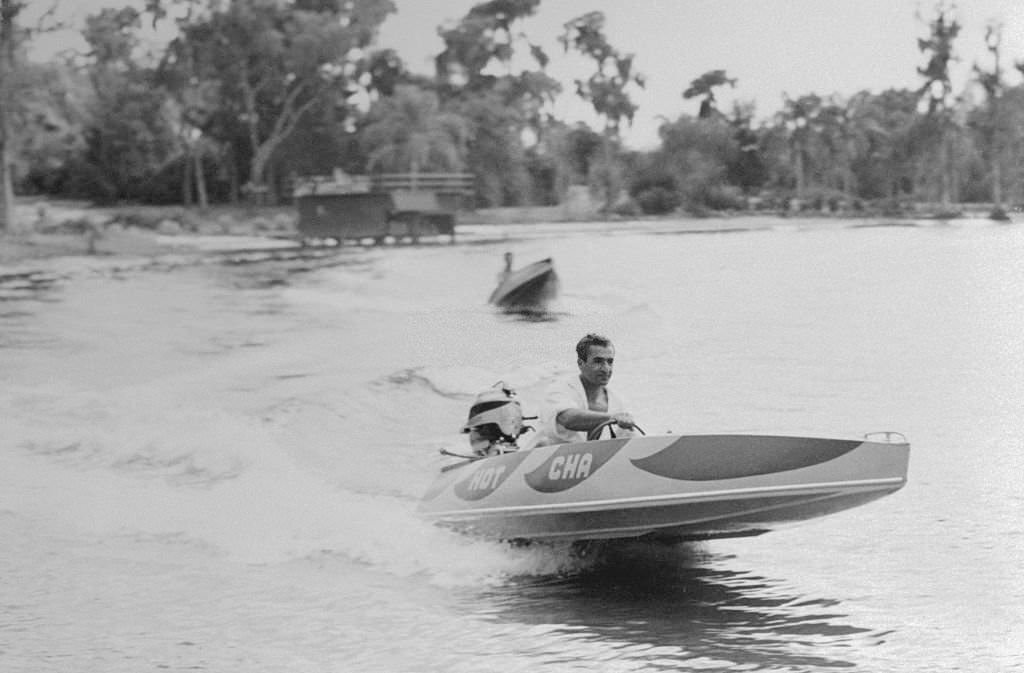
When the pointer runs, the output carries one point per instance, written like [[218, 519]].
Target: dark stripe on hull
[[715, 457]]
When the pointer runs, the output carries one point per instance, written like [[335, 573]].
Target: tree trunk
[[270, 195], [257, 171], [946, 163], [849, 178], [800, 180], [8, 11], [610, 190], [258, 161], [201, 195], [7, 213], [261, 168], [232, 165], [256, 168], [997, 184], [186, 178]]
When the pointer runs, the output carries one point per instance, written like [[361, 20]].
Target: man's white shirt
[[568, 393]]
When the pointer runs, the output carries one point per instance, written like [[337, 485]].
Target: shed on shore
[[395, 206]]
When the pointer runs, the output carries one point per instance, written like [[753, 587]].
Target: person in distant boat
[[495, 421], [507, 270], [580, 403]]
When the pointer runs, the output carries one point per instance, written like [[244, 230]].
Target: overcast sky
[[772, 47]]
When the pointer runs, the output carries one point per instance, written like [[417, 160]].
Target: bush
[[823, 199], [716, 197], [999, 214], [892, 207], [769, 200], [655, 190], [657, 200], [627, 207]]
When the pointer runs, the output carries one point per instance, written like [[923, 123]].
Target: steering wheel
[[610, 424]]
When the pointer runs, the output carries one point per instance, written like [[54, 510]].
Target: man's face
[[597, 368]]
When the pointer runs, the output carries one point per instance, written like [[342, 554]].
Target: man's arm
[[585, 420]]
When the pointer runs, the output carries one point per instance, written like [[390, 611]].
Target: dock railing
[[441, 183], [460, 184]]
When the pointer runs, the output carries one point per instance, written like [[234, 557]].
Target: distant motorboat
[[669, 487], [531, 287]]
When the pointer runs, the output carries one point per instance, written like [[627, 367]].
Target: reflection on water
[[677, 605], [30, 285], [532, 315]]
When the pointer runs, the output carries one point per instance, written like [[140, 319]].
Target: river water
[[212, 462]]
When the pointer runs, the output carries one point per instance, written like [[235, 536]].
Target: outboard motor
[[495, 421]]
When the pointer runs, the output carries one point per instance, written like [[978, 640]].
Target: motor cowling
[[495, 417]]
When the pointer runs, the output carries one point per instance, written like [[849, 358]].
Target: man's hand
[[624, 420]]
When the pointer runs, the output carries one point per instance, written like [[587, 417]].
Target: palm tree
[[408, 132], [705, 86]]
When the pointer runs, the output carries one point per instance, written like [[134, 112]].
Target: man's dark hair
[[584, 344]]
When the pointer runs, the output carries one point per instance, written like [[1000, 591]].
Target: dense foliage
[[250, 94]]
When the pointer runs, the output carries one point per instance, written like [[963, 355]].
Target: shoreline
[[58, 230]]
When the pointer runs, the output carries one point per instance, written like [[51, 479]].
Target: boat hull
[[530, 287], [681, 487]]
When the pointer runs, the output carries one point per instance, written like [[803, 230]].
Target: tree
[[568, 156], [1011, 113], [9, 10], [194, 101], [475, 78], [409, 132], [839, 143], [798, 117], [881, 126], [747, 170], [607, 90], [274, 61], [13, 36], [937, 89], [479, 40], [50, 121], [581, 147], [386, 71], [990, 122], [705, 86], [494, 148], [697, 153], [129, 139]]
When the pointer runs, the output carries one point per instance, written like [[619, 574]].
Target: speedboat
[[670, 487], [529, 287]]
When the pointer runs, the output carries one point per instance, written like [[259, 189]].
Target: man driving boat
[[580, 403]]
